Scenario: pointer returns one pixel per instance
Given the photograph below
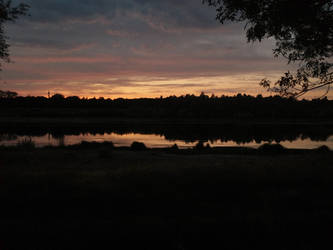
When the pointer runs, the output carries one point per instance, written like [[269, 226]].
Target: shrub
[[323, 149], [174, 148], [138, 146]]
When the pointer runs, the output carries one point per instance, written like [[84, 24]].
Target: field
[[94, 195]]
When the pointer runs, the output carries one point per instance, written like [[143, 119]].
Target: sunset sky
[[133, 48]]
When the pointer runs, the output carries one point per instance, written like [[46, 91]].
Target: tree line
[[240, 106]]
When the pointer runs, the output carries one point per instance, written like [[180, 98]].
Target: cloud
[[88, 41], [185, 13]]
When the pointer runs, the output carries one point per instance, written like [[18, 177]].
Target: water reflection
[[157, 141], [7, 137]]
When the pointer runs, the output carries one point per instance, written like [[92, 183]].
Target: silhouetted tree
[[8, 13], [58, 97], [238, 107], [303, 30], [7, 94]]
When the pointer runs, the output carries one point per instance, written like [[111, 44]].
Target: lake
[[158, 141]]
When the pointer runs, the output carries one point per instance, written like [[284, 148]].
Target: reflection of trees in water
[[240, 134], [60, 137], [8, 137]]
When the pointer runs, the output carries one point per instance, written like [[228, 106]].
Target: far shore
[[199, 149], [68, 121]]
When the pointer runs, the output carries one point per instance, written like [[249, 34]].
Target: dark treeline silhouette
[[7, 94], [188, 106]]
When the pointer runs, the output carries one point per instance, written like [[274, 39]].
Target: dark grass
[[96, 196]]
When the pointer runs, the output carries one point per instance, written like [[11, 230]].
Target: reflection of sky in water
[[155, 141]]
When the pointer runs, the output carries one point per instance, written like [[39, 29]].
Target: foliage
[[323, 149], [8, 13], [174, 147], [303, 32], [238, 107], [138, 146], [7, 94]]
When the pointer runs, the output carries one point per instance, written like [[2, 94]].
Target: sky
[[131, 49]]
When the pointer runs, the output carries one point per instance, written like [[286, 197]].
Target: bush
[[174, 147], [323, 149], [138, 146]]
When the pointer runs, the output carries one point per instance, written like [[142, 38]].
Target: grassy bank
[[91, 195]]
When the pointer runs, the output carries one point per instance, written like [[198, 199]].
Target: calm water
[[153, 140]]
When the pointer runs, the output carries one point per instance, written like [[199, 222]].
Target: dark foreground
[[96, 197]]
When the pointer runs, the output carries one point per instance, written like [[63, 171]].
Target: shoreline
[[198, 149], [74, 197], [118, 121]]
